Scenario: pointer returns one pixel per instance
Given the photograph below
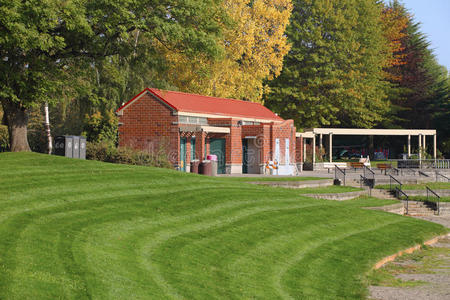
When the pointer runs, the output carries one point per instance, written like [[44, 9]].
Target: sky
[[434, 16]]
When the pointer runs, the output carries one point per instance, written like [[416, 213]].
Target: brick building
[[244, 135]]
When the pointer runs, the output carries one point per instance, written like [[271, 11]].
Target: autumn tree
[[254, 43], [395, 21], [40, 40], [333, 74]]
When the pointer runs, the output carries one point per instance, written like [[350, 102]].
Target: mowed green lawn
[[83, 229]]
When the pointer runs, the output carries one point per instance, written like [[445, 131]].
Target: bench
[[332, 165], [384, 167], [356, 165]]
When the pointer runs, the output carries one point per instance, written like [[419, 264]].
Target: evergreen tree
[[333, 74]]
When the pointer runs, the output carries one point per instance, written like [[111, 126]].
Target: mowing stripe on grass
[[83, 229]]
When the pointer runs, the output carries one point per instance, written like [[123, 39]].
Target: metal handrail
[[439, 174], [362, 180], [422, 173], [336, 169], [410, 170], [370, 171], [433, 192], [399, 191], [396, 170], [437, 196], [390, 182]]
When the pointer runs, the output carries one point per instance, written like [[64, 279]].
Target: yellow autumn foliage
[[254, 47]]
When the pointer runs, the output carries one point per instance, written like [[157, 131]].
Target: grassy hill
[[85, 229]]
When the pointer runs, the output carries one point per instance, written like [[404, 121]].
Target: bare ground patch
[[421, 275]]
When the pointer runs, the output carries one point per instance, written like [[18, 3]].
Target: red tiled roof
[[184, 102]]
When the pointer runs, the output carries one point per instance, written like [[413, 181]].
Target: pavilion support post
[[314, 150], [409, 145], [420, 146], [331, 148], [434, 146], [371, 147], [424, 143], [320, 143]]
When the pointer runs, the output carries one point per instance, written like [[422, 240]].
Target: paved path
[[437, 286], [443, 220]]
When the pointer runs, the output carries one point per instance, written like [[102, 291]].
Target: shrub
[[4, 138], [107, 152], [101, 127]]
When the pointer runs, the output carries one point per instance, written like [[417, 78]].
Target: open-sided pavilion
[[320, 132]]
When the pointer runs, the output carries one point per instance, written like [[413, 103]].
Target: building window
[[250, 123], [192, 120], [203, 121], [183, 119]]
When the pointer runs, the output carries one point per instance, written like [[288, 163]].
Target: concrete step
[[382, 194], [418, 208], [413, 214]]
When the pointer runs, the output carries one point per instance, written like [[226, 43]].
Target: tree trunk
[[16, 117], [47, 129]]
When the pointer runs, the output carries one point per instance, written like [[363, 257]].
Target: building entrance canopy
[[204, 128]]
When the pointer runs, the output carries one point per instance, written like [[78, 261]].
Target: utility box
[[64, 146], [76, 147], [82, 147], [70, 146]]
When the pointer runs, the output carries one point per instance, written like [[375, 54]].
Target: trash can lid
[[212, 157]]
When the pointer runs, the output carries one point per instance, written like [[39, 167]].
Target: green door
[[183, 154], [244, 156], [192, 148], [217, 147]]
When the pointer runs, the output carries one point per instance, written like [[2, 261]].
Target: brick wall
[[299, 150], [148, 125]]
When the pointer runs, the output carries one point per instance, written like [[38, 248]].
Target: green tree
[[43, 43], [333, 74]]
